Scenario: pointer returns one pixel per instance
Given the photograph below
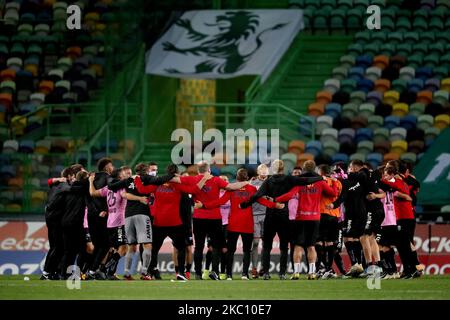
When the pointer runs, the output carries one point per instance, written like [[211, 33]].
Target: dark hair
[[66, 172], [340, 166], [152, 163], [102, 163], [297, 168], [172, 169], [75, 168], [391, 170], [393, 163], [368, 165], [81, 175], [357, 163], [326, 169], [242, 175], [115, 174], [141, 168], [402, 167]]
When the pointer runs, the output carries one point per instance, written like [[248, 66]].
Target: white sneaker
[[229, 279]]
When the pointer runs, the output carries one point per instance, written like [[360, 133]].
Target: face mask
[[152, 173]]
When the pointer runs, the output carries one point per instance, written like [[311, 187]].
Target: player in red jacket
[[167, 221], [308, 217], [240, 221]]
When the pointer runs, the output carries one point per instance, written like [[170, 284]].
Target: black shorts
[[117, 236], [87, 237], [387, 236], [373, 223], [189, 237], [307, 233], [329, 228], [354, 228], [292, 231]]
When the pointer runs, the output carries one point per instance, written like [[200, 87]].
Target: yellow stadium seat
[[399, 146], [445, 84], [391, 97], [400, 109], [442, 121]]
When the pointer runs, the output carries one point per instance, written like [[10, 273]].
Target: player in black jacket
[[353, 195], [54, 211], [72, 222], [97, 209], [277, 220]]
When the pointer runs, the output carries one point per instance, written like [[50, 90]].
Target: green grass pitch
[[427, 287]]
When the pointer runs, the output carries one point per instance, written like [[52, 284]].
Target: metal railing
[[292, 124]]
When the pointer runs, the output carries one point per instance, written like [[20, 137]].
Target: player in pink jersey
[[116, 218]]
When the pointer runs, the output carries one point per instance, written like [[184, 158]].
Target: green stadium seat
[[436, 48], [355, 19], [387, 24], [330, 147], [417, 109], [431, 132], [320, 19], [431, 60], [357, 97], [345, 4], [347, 61], [395, 37], [358, 156], [411, 37], [409, 157], [399, 84], [348, 85], [421, 48], [349, 110], [366, 110], [398, 133], [427, 37], [362, 37], [355, 49], [371, 49], [445, 209], [387, 49], [380, 134], [365, 147], [328, 134], [441, 72], [441, 97], [404, 49], [378, 37], [340, 73], [425, 121], [415, 60], [375, 121], [403, 25]]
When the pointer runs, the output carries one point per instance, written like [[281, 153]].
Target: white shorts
[[138, 229]]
